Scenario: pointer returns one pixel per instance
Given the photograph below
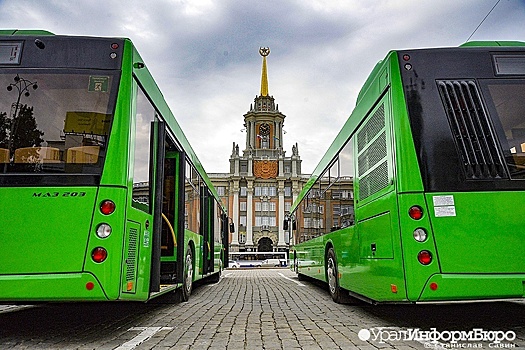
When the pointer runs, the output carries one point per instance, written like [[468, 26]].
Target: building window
[[265, 221], [265, 191], [287, 191], [221, 190], [244, 167], [242, 206], [242, 220], [243, 191]]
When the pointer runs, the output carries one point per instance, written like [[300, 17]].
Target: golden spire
[[264, 51]]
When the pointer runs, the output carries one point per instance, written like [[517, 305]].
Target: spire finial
[[264, 51]]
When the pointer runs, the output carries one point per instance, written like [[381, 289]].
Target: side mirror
[[285, 225], [232, 227]]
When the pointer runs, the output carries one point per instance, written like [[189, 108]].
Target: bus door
[[206, 229], [168, 234], [225, 239]]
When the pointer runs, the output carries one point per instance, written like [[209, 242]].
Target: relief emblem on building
[[265, 169]]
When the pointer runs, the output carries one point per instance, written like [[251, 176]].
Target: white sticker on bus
[[443, 200], [444, 206], [448, 210]]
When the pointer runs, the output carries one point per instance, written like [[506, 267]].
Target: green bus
[[416, 199], [102, 196]]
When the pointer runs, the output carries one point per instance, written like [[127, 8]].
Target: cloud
[[204, 54]]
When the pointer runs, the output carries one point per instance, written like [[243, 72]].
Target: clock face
[[264, 129]]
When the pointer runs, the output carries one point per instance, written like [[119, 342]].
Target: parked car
[[233, 264]]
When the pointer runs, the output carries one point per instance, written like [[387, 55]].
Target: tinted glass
[[55, 122], [506, 100]]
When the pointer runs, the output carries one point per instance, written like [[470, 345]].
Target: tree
[[25, 129], [19, 131]]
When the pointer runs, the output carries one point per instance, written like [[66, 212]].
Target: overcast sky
[[204, 54]]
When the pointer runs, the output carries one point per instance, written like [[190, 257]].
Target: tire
[[187, 283], [332, 276]]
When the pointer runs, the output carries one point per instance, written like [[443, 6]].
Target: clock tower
[[263, 181]]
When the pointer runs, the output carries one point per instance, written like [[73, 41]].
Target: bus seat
[[37, 155], [4, 155], [519, 159], [83, 154]]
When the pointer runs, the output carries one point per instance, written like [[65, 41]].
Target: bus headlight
[[103, 230], [420, 234]]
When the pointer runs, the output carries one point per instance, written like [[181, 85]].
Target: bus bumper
[[50, 287], [460, 287]]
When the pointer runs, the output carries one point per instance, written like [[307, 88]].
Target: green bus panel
[[438, 165], [52, 192]]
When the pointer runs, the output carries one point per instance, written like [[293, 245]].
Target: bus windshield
[[55, 121]]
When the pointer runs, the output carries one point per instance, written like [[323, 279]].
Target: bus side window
[[145, 114], [346, 185]]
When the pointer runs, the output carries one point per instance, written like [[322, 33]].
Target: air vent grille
[[472, 130]]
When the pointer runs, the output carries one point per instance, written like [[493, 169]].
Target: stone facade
[[263, 182]]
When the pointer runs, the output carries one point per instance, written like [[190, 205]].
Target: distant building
[[263, 182]]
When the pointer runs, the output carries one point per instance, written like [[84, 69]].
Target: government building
[[263, 180]]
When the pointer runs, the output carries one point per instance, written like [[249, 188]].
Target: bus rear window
[[55, 121], [506, 101]]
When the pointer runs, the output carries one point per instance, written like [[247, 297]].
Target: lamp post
[[22, 86]]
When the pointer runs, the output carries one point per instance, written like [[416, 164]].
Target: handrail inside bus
[[171, 229]]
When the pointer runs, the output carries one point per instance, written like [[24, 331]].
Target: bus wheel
[[333, 280], [187, 283]]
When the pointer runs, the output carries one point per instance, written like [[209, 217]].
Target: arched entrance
[[265, 244]]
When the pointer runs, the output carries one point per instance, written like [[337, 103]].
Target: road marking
[[12, 308], [147, 332], [291, 279]]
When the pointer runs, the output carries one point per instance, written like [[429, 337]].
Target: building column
[[235, 218], [280, 217], [281, 133], [249, 215], [253, 137]]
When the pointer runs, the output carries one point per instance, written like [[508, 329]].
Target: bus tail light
[[415, 212], [103, 230], [107, 207], [99, 254], [424, 257]]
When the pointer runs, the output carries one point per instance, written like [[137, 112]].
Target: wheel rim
[[332, 279], [189, 272]]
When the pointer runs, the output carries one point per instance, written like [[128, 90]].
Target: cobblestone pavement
[[257, 309]]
